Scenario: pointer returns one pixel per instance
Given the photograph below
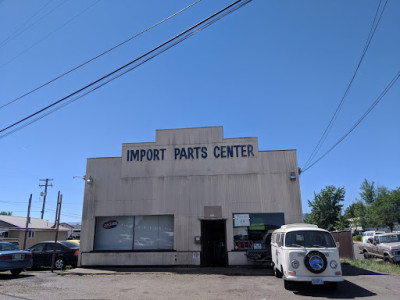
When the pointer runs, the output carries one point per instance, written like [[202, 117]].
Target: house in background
[[74, 231], [12, 229]]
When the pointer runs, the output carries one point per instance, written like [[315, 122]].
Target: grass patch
[[373, 265]]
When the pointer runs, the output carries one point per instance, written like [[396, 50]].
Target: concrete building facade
[[191, 197]]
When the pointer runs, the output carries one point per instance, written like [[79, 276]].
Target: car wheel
[[278, 274], [59, 263], [16, 272], [386, 258], [288, 285], [366, 255]]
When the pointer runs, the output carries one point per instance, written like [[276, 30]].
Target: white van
[[305, 253], [370, 234]]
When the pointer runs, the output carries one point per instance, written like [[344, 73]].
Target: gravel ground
[[188, 283]]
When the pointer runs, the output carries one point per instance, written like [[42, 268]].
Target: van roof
[[299, 226]]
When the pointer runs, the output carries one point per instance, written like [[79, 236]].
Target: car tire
[[366, 255], [16, 272], [277, 273], [386, 258], [311, 262], [59, 263]]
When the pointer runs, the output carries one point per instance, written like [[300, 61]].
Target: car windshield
[[308, 238], [8, 247], [393, 238]]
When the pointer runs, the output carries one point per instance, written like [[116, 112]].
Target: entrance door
[[213, 243]]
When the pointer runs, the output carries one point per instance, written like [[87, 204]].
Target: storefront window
[[114, 233], [253, 230], [134, 233], [154, 233]]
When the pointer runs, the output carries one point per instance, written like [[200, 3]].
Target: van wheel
[[277, 273], [288, 285], [332, 285]]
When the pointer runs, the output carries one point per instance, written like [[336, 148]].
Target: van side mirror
[[337, 244]]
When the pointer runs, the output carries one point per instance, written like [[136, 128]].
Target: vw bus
[[305, 253]]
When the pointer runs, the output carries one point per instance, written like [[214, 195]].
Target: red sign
[[110, 224], [244, 245]]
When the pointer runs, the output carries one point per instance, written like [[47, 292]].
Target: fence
[[345, 240]]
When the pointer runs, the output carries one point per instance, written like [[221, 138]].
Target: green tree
[[357, 213], [368, 192], [385, 209], [326, 207], [5, 213], [343, 222]]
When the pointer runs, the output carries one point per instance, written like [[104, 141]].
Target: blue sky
[[273, 69]]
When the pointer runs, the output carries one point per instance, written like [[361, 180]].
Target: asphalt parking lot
[[188, 283]]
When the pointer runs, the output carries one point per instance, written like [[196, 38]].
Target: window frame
[[132, 249]]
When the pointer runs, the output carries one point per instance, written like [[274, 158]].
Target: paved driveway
[[188, 283]]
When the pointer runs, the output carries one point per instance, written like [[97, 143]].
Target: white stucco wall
[[183, 186]]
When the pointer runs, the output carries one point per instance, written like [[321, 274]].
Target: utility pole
[[59, 201], [27, 221], [45, 192]]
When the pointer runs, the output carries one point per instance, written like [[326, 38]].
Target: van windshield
[[308, 238]]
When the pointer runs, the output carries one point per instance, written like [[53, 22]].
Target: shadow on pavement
[[345, 290], [9, 276], [228, 271], [349, 270]]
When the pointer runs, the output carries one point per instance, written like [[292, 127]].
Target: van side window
[[273, 238], [279, 239]]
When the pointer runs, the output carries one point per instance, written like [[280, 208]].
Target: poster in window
[[241, 220]]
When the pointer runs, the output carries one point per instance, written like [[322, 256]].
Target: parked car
[[305, 253], [66, 254], [14, 259], [385, 246], [370, 234]]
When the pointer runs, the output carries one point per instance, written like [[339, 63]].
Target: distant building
[[191, 197], [12, 229]]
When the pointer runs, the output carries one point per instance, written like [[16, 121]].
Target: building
[[189, 198], [13, 229]]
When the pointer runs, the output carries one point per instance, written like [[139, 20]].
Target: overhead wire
[[373, 105], [49, 34], [127, 67], [21, 28], [100, 55], [371, 34]]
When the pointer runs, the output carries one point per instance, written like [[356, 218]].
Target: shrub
[[357, 238]]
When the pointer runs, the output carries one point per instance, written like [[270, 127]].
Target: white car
[[305, 253], [370, 234]]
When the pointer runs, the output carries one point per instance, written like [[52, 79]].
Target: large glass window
[[114, 233], [134, 233], [253, 231], [154, 232]]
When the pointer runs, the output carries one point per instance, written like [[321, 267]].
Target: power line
[[21, 29], [98, 56], [127, 67], [384, 92], [330, 124], [49, 34]]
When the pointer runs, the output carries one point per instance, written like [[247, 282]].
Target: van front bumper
[[310, 278]]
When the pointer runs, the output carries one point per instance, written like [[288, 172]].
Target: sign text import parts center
[[190, 198]]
